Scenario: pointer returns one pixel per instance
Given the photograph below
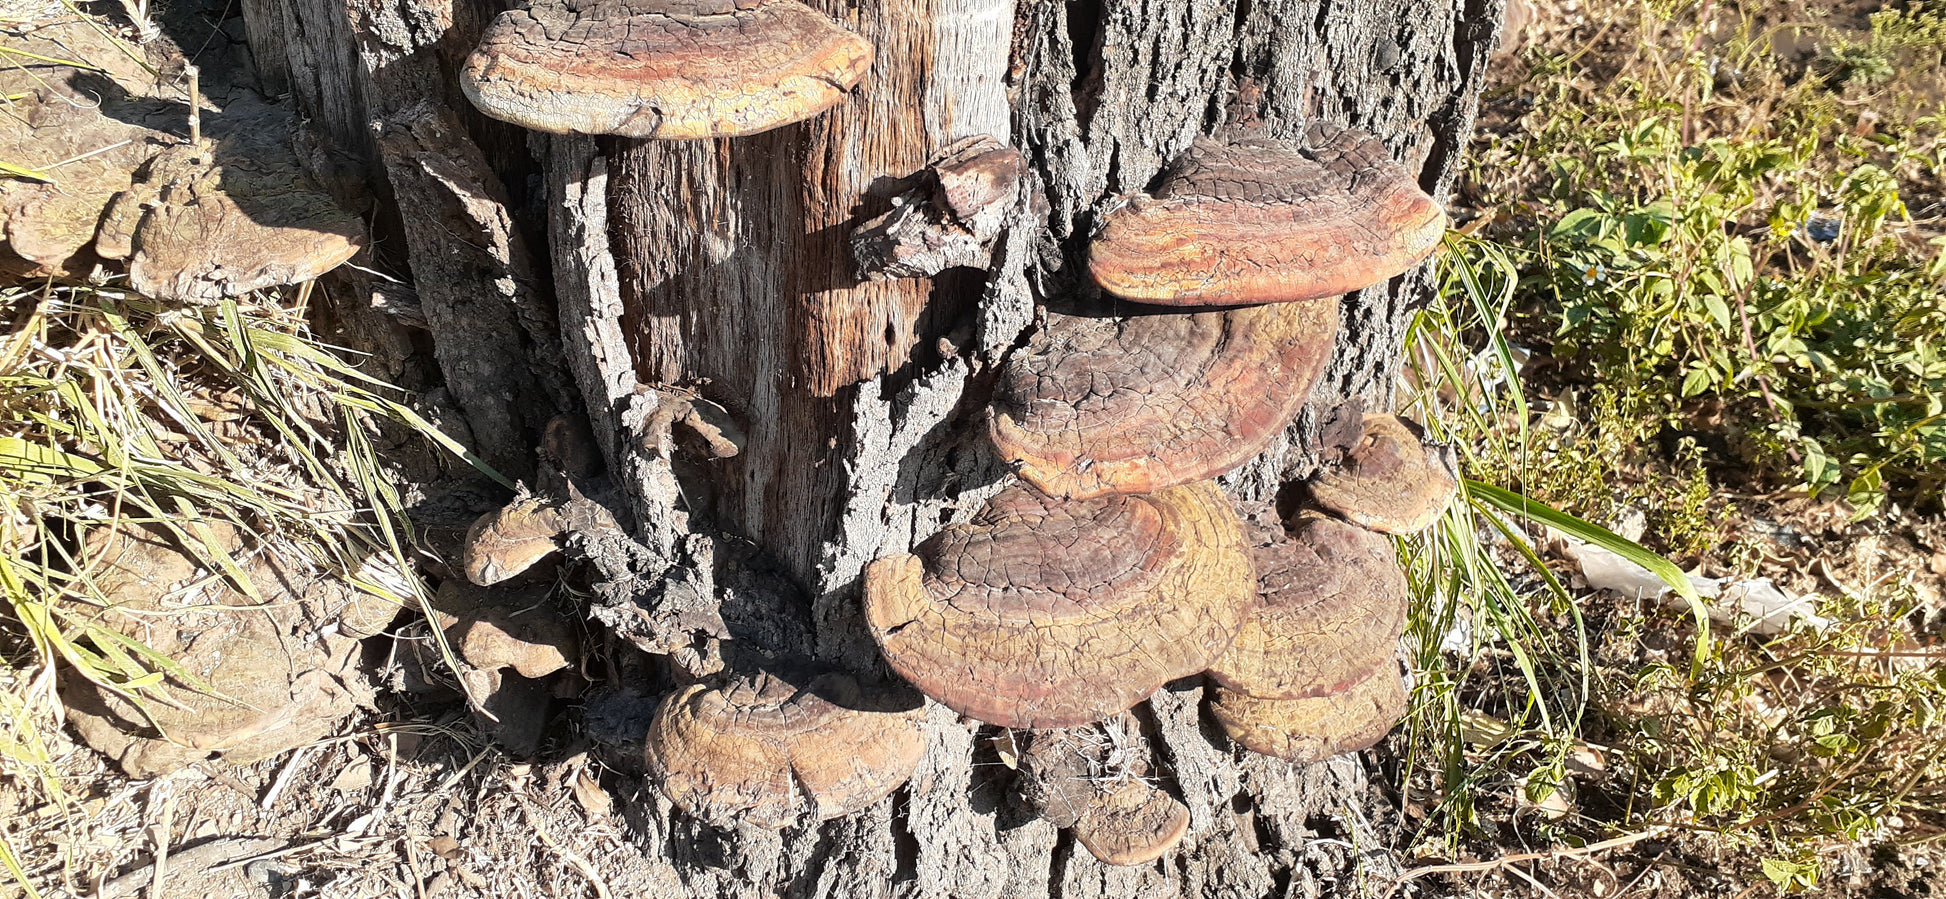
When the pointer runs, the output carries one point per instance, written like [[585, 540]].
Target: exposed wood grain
[[721, 265]]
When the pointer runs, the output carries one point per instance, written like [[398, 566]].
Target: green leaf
[[1588, 532]]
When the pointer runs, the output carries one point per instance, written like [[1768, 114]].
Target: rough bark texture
[[721, 267]]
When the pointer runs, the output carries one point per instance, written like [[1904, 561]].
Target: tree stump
[[719, 269]]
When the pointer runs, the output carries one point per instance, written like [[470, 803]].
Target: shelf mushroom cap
[[1132, 824], [1263, 221], [1314, 728], [1334, 605], [1041, 613], [1390, 482], [1114, 811], [1101, 406], [774, 747], [668, 69]]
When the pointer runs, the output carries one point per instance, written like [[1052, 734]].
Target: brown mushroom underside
[[669, 69], [1390, 481], [1334, 605], [1134, 405], [1315, 728], [1041, 613], [1262, 221], [775, 747]]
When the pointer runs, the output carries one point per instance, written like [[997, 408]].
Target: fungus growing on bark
[[516, 537], [1334, 605], [1102, 795], [777, 746], [1318, 727], [1390, 481], [1041, 613], [669, 69], [251, 676], [1263, 221], [215, 220], [1133, 405], [93, 122]]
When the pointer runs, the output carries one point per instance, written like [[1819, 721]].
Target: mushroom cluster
[[218, 215], [1119, 565]]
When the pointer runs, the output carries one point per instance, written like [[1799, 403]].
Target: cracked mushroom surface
[[777, 746], [667, 69], [1044, 613], [1263, 221], [1318, 727], [89, 129], [1104, 405], [272, 671], [235, 214], [1390, 481], [1334, 606]]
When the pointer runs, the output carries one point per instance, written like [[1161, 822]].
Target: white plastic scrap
[[1754, 604]]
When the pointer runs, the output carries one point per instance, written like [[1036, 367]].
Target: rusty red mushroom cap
[[776, 746], [669, 69], [1318, 727], [1390, 481], [1133, 405], [1334, 605], [1041, 613], [1263, 221]]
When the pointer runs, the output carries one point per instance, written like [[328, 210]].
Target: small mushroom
[[1390, 481], [1134, 405], [777, 746], [516, 537], [1133, 824], [1263, 221], [1079, 780], [1318, 727], [1041, 613], [1334, 605], [503, 627], [667, 69]]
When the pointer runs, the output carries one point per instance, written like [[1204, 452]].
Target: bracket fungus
[[226, 217], [508, 541], [1264, 221], [1317, 727], [1133, 405], [1313, 674], [667, 69], [1390, 481], [251, 675], [1114, 812], [1041, 613], [1334, 605], [777, 746]]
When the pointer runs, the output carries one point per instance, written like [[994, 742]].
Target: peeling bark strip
[[720, 266]]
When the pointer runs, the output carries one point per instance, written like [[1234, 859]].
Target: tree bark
[[720, 267]]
